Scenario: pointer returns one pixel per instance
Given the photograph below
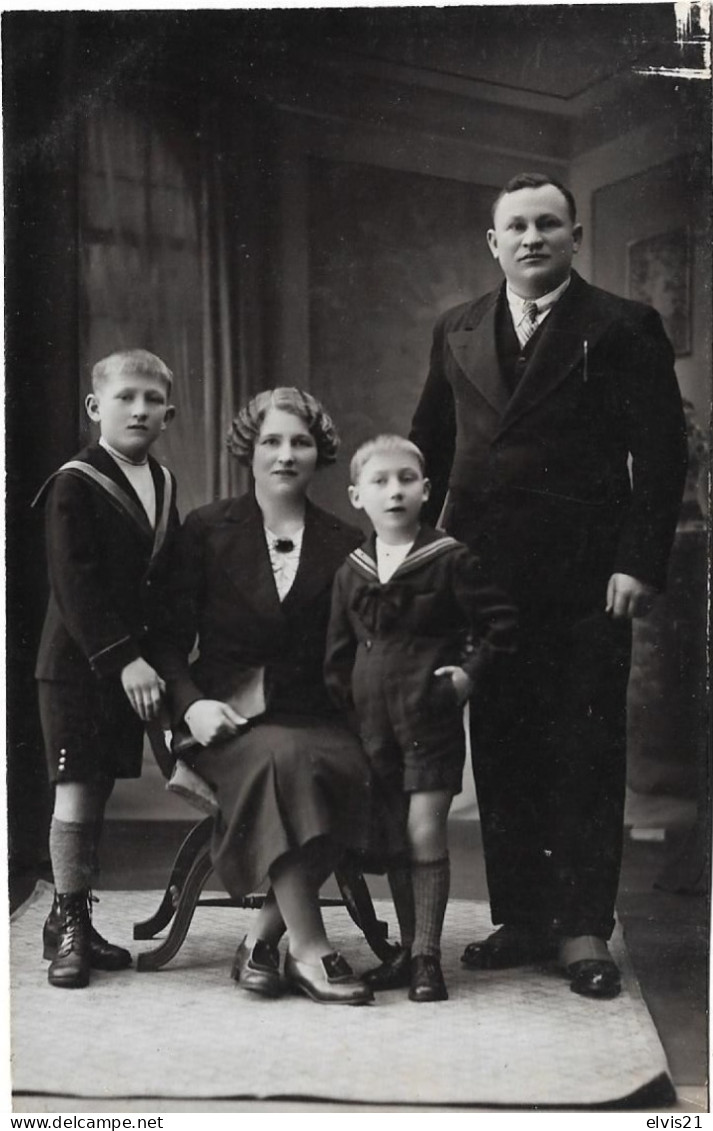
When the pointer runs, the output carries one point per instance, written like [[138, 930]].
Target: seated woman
[[252, 582]]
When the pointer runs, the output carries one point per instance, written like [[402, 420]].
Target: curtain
[[156, 273]]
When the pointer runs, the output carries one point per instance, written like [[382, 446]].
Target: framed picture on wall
[[659, 273]]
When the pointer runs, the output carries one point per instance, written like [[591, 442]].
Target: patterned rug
[[509, 1038]]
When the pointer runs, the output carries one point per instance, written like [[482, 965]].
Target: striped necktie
[[527, 324]]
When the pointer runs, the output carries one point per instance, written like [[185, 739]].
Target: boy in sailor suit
[[413, 624], [110, 517]]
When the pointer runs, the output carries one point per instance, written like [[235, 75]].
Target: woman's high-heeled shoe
[[331, 982], [257, 968]]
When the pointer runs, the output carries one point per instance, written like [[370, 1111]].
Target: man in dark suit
[[552, 427]]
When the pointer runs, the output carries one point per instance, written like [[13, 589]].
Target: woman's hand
[[143, 687], [209, 720], [462, 682]]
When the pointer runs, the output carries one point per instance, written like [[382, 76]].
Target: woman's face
[[285, 455]]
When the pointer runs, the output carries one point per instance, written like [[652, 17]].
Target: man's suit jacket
[[539, 482], [224, 593], [107, 570]]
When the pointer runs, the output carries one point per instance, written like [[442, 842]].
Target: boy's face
[[392, 490], [132, 410]]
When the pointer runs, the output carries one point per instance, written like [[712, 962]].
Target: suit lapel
[[559, 349], [242, 552], [322, 552], [475, 351]]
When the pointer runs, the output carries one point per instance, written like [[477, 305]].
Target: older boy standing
[[110, 520]]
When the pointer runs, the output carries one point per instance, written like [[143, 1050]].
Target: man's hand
[[209, 720], [143, 687], [461, 681], [628, 597]]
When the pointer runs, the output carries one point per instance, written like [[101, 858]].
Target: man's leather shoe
[[427, 982], [331, 982], [103, 955], [509, 946], [594, 978], [589, 966], [69, 968], [257, 968], [394, 974]]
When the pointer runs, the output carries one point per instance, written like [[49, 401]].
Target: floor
[[667, 933]]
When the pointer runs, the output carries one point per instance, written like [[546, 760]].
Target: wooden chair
[[192, 868]]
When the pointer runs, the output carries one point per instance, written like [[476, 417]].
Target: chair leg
[[196, 840], [191, 871], [185, 908], [357, 900]]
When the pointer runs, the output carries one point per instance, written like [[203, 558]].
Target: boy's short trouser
[[429, 762], [90, 731]]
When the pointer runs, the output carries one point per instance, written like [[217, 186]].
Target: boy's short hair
[[246, 426], [388, 442], [133, 361]]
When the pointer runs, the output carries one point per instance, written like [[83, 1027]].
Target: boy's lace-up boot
[[70, 966], [103, 955]]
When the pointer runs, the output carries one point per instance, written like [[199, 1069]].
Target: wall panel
[[388, 250]]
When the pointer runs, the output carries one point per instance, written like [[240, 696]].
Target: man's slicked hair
[[536, 180]]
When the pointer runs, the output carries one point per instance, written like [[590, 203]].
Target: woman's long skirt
[[280, 784]]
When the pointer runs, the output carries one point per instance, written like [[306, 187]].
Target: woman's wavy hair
[[246, 426]]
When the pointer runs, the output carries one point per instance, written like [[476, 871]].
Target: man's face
[[534, 239]]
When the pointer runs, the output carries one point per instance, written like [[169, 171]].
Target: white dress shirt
[[518, 307]]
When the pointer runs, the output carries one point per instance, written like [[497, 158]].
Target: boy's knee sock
[[402, 893], [431, 885], [72, 854], [97, 830], [104, 790]]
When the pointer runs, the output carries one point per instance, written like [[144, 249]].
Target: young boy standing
[[110, 517], [413, 626]]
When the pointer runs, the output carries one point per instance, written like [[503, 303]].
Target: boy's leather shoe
[[427, 982], [103, 955], [332, 982], [258, 968], [509, 946], [70, 966], [394, 974]]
